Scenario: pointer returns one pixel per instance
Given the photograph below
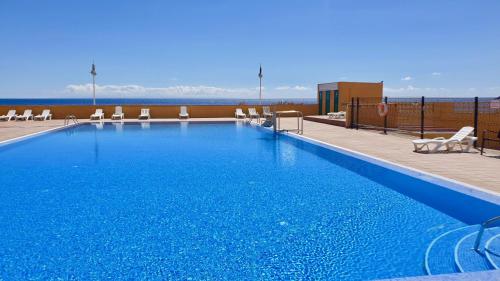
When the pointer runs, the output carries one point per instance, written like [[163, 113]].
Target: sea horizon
[[205, 101], [151, 101]]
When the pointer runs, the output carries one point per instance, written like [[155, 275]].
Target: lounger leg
[[437, 147]]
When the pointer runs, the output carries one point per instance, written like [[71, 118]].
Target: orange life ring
[[382, 109]]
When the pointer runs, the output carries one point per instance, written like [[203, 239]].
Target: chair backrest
[[266, 109], [252, 111], [45, 112], [11, 112], [27, 113], [462, 133], [144, 111], [239, 111], [98, 111], [183, 110], [118, 110]]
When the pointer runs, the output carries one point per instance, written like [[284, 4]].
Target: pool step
[[492, 251], [469, 260], [439, 257], [453, 251]]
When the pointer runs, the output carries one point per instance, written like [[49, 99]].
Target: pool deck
[[470, 168]]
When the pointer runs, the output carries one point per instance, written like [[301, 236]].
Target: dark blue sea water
[[192, 101], [152, 101]]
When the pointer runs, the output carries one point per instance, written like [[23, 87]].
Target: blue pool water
[[211, 201]]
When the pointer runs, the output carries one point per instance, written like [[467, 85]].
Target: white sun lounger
[[266, 112], [336, 115], [26, 115], [44, 116], [144, 114], [462, 137], [99, 114], [239, 114], [183, 113], [11, 114], [118, 115], [252, 113]]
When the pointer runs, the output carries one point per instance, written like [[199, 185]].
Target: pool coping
[[39, 133], [458, 186]]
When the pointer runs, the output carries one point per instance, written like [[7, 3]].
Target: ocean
[[171, 101], [191, 101]]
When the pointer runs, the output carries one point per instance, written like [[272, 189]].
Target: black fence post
[[352, 113], [476, 117], [422, 105], [385, 116], [357, 113]]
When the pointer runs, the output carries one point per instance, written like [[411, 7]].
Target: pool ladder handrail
[[480, 233], [298, 115], [69, 118]]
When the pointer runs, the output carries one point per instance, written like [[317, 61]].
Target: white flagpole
[[94, 73], [93, 82], [260, 84]]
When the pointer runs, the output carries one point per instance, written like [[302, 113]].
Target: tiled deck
[[471, 168]]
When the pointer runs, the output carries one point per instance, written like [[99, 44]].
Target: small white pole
[[94, 73], [93, 82], [260, 84]]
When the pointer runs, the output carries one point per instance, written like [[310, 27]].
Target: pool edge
[[36, 134], [455, 185]]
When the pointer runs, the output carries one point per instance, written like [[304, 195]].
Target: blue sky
[[213, 48]]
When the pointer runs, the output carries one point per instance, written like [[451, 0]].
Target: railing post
[[476, 116], [478, 238], [385, 117], [357, 113], [422, 105], [352, 113]]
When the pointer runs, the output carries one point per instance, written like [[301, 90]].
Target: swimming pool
[[212, 201]]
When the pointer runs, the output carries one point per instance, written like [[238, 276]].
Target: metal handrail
[[298, 115], [480, 233], [69, 118]]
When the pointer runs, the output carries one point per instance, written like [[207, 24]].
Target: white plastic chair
[[459, 138], [26, 115], [11, 114], [144, 114], [99, 114], [44, 116], [118, 115], [183, 113], [239, 114]]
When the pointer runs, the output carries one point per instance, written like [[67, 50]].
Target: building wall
[[156, 111], [348, 90]]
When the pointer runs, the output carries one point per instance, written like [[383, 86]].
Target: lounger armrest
[[470, 138], [439, 138]]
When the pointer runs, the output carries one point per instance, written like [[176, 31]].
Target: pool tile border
[[468, 189]]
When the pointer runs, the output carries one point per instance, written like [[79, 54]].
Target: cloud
[[436, 74], [407, 78], [416, 91], [293, 88], [181, 91]]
